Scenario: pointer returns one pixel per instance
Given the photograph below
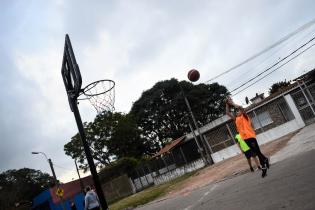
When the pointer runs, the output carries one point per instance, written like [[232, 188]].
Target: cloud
[[134, 43]]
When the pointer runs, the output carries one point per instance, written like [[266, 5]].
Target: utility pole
[[81, 183], [203, 140], [200, 150], [53, 171]]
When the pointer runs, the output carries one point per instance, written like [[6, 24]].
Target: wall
[[118, 188], [268, 135], [177, 172]]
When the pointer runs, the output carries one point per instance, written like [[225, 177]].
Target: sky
[[136, 44]]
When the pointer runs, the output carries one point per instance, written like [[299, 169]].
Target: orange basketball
[[193, 75]]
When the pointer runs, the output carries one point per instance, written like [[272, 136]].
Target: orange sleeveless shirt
[[244, 127]]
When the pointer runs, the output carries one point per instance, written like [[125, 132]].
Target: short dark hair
[[87, 188]]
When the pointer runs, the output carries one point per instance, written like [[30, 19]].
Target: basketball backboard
[[70, 71]]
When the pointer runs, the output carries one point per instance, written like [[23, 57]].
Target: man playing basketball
[[246, 131]]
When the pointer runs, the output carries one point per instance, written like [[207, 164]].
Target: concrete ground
[[290, 184]]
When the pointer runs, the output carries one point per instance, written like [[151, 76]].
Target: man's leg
[[250, 164], [256, 162], [252, 143]]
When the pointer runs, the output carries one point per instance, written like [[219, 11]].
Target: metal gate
[[304, 101]]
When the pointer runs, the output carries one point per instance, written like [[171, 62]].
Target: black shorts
[[248, 154]]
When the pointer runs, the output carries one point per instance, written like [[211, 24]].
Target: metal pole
[[56, 181], [81, 183], [54, 175], [209, 159], [181, 151], [199, 147], [88, 154], [308, 91], [207, 142], [53, 171]]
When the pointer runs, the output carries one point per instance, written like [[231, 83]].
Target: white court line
[[200, 199]]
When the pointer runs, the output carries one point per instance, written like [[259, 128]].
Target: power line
[[273, 53], [63, 167], [305, 26], [243, 84], [274, 69]]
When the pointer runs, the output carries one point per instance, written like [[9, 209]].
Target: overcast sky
[[136, 43]]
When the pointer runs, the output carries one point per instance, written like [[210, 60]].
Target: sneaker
[[251, 169], [264, 172], [267, 162]]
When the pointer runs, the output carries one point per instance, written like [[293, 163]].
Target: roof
[[307, 75], [169, 146], [274, 95]]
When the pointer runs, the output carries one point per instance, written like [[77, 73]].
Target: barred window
[[285, 110], [261, 120]]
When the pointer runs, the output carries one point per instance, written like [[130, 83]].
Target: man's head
[[87, 188], [228, 100], [238, 111]]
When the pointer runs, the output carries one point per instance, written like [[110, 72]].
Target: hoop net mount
[[101, 95]]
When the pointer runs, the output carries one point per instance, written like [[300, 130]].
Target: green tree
[[161, 111], [22, 185], [278, 86], [98, 135], [110, 136], [126, 140]]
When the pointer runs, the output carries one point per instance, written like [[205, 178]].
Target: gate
[[304, 101]]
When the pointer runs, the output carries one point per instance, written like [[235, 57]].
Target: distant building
[[258, 98]]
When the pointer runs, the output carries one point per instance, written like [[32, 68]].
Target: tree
[[111, 136], [278, 86], [22, 185], [98, 134], [126, 140], [161, 112]]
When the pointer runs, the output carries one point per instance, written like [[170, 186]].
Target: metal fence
[[146, 174], [304, 101]]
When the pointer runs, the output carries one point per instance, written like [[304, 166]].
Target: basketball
[[193, 75]]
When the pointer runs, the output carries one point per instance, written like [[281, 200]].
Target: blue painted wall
[[45, 196]]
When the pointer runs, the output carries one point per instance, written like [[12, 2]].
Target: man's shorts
[[248, 154]]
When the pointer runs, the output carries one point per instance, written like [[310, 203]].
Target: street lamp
[[53, 172], [50, 164]]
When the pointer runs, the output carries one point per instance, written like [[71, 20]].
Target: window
[[261, 120], [285, 111]]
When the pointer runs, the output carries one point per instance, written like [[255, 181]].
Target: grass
[[149, 194]]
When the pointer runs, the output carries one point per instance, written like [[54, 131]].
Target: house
[[284, 112]]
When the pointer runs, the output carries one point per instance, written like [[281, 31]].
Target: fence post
[[139, 178], [145, 175], [181, 151], [230, 132], [165, 164], [209, 146], [261, 127]]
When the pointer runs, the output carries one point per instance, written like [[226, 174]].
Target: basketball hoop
[[101, 95]]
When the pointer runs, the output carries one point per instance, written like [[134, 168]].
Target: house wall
[[267, 136], [176, 172]]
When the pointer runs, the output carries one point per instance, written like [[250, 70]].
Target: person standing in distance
[[246, 131], [91, 200]]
